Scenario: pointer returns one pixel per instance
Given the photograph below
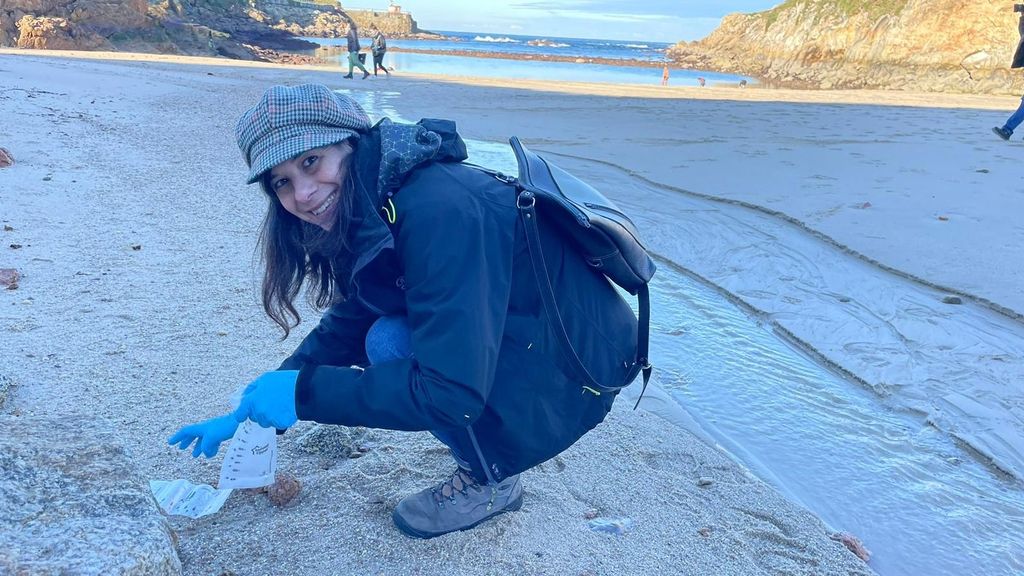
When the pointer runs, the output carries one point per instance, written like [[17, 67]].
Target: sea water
[[518, 47]]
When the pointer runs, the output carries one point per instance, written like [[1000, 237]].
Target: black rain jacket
[[486, 366]]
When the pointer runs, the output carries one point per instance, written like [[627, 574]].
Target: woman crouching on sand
[[434, 319]]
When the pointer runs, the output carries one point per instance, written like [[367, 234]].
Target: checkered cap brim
[[288, 120]]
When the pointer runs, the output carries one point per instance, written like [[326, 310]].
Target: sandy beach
[[138, 300]]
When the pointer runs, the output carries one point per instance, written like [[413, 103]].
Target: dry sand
[[138, 306]]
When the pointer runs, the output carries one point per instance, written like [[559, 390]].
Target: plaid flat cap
[[288, 120]]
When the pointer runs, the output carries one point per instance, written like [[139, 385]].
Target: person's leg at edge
[[1012, 122], [350, 66], [353, 60], [460, 502]]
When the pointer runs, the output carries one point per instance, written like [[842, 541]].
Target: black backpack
[[607, 239]]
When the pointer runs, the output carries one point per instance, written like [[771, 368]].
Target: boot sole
[[410, 531]]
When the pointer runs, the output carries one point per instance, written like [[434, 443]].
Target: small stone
[[8, 228], [284, 490], [15, 246], [952, 300], [844, 299], [136, 247], [705, 532], [853, 544], [944, 218], [591, 514], [222, 333], [705, 481], [982, 170], [9, 278], [47, 178], [5, 158]]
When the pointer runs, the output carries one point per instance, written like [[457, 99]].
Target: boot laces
[[459, 482]]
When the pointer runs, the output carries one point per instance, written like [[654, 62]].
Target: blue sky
[[653, 20]]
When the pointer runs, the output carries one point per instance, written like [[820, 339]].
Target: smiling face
[[309, 185]]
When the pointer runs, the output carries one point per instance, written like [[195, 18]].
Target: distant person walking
[[352, 36], [378, 48], [664, 75], [1018, 62]]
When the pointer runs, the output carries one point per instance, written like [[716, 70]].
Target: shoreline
[[752, 93]]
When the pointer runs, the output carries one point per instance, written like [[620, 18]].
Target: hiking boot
[[347, 76], [1003, 133], [458, 503]]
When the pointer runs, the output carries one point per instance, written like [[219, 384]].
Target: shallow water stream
[[919, 500]]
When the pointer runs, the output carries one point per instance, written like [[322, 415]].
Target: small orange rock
[[284, 490], [853, 544], [9, 278]]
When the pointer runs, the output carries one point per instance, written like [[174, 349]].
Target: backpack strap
[[526, 203]]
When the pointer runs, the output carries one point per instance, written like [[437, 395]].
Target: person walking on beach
[[664, 75], [378, 48], [1006, 130], [352, 38], [434, 318]]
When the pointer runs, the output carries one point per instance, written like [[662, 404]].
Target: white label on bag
[[251, 458]]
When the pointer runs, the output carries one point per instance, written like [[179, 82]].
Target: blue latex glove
[[270, 400], [207, 435]]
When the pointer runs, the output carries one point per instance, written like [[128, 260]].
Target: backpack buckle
[[526, 200]]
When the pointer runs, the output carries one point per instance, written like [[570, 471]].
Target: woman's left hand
[[270, 400]]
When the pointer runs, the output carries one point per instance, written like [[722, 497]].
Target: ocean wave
[[636, 45], [504, 39]]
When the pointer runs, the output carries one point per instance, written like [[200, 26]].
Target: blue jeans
[[1016, 118], [390, 338]]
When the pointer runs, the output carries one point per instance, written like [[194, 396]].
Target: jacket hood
[[385, 156]]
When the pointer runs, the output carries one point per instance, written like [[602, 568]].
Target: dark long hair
[[294, 250]]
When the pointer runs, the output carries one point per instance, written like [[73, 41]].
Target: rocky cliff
[[245, 29], [928, 45]]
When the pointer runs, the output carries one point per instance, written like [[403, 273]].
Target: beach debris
[[863, 206], [952, 300], [944, 218], [701, 81], [47, 178], [5, 387], [853, 544], [591, 514], [743, 83], [337, 441], [9, 278], [284, 489], [136, 247], [15, 246], [8, 228], [5, 158], [705, 531], [982, 170], [705, 481], [183, 498], [844, 299], [616, 526]]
